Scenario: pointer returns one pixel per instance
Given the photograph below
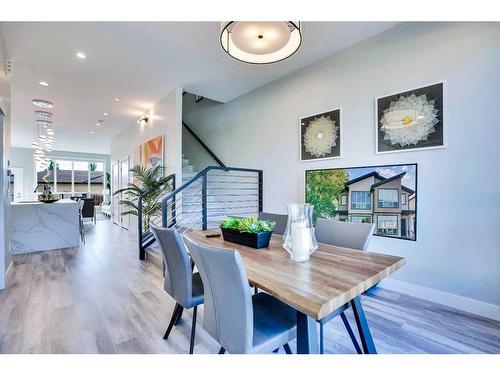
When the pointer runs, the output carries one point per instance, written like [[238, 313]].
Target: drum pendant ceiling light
[[260, 42]]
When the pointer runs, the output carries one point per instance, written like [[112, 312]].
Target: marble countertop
[[34, 202], [38, 226]]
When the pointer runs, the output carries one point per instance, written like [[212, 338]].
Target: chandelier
[[43, 133], [260, 42]]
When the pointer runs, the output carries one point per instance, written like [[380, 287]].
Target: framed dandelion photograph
[[321, 136], [410, 120]]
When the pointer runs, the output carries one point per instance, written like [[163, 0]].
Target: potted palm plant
[[151, 186]]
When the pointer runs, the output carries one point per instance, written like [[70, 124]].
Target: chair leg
[[222, 350], [256, 290], [287, 349], [172, 320], [193, 331], [351, 333], [321, 339], [179, 315]]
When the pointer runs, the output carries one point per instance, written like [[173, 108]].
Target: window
[[361, 219], [403, 199], [81, 176], [387, 225], [73, 176], [388, 198], [63, 176], [343, 200], [360, 200]]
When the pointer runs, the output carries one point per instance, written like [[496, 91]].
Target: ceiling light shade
[[43, 122], [42, 103], [81, 55], [260, 42], [43, 114]]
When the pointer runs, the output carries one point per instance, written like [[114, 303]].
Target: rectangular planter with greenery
[[247, 231]]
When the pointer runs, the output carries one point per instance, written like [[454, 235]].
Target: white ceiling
[[139, 63]]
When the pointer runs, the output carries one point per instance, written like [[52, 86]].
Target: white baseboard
[[484, 309]]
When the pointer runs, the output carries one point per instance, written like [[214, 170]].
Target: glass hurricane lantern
[[299, 239]]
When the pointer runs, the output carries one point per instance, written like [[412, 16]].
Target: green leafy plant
[[323, 188], [108, 181], [152, 185], [247, 224]]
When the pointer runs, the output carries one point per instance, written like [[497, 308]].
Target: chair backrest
[[80, 205], [281, 221], [345, 234], [228, 307], [88, 207], [178, 273]]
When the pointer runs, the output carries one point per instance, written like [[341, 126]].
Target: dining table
[[333, 277]]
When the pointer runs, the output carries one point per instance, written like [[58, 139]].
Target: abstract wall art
[[410, 120], [321, 136], [152, 152]]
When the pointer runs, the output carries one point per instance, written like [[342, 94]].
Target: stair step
[[187, 169], [185, 162]]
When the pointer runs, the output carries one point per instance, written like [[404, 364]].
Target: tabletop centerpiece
[[248, 231], [47, 196], [299, 239]]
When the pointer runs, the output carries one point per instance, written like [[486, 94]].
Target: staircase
[[203, 200]]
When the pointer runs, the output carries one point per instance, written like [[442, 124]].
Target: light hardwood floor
[[100, 298]]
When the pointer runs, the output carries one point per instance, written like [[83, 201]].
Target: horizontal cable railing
[[212, 195]]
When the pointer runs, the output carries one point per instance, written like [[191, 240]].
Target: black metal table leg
[[363, 329], [307, 336]]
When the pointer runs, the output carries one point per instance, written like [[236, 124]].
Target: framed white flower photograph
[[321, 136], [410, 120]]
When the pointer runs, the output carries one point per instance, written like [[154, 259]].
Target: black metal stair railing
[[144, 219], [212, 195]]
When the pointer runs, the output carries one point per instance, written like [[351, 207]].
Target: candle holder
[[299, 239]]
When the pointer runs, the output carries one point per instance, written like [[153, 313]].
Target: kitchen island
[[38, 226]]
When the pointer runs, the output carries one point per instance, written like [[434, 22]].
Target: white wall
[[23, 158], [165, 119], [198, 157], [4, 179], [458, 247]]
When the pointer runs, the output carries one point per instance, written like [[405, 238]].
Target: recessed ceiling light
[[106, 114], [117, 99], [98, 124], [81, 55], [43, 83], [91, 132]]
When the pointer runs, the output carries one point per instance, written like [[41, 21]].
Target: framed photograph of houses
[[410, 120], [321, 136], [383, 195]]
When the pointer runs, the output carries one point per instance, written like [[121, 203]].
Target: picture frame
[[151, 152], [316, 148], [392, 136], [405, 229]]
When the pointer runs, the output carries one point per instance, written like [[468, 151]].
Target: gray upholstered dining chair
[[280, 220], [344, 234], [184, 286], [239, 321]]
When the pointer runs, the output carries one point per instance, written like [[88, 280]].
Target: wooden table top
[[332, 277]]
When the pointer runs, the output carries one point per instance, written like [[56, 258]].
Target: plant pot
[[255, 240]]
